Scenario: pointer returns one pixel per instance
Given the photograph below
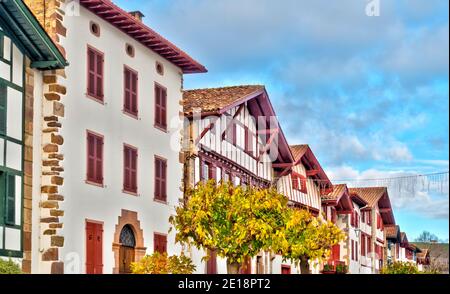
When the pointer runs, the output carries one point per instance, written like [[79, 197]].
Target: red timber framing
[[125, 22], [214, 160]]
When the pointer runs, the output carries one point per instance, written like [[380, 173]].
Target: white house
[[26, 53], [115, 145]]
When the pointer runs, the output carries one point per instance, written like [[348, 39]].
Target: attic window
[[159, 68], [130, 50], [95, 29]]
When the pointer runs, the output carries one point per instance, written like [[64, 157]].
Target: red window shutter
[[336, 252], [353, 250], [130, 169], [352, 219], [356, 251], [95, 158], [160, 243], [130, 92], [160, 179], [160, 107], [294, 179], [303, 187], [369, 217], [212, 173], [95, 74]]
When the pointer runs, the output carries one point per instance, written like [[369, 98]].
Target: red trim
[[122, 20]]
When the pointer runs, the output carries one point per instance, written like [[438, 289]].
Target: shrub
[[163, 264], [400, 268], [9, 267]]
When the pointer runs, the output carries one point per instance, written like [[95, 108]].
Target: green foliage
[[9, 267], [308, 237], [163, 264], [328, 268], [238, 223], [341, 269], [400, 268]]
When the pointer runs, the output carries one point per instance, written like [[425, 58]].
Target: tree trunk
[[233, 268], [304, 267]]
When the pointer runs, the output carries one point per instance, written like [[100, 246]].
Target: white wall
[[83, 201]]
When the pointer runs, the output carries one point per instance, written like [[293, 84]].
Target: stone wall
[[51, 16]]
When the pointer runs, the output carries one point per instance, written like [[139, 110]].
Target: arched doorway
[[127, 247], [128, 244]]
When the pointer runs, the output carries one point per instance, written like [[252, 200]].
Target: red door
[[336, 253], [285, 270], [94, 248]]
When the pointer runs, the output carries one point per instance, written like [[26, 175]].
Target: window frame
[[124, 188], [97, 136], [133, 73], [160, 198], [162, 125], [90, 95]]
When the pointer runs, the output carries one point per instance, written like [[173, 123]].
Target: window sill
[[160, 201], [99, 185], [130, 193], [96, 99], [131, 115], [162, 129]]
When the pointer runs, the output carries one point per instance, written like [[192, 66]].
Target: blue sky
[[369, 94]]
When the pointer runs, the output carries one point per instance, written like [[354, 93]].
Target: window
[[226, 176], [160, 107], [160, 243], [363, 217], [94, 158], [95, 74], [130, 169], [353, 250], [369, 217], [160, 179], [294, 178], [356, 251], [130, 101], [299, 183], [130, 50], [95, 29], [159, 68], [8, 198], [369, 244], [363, 245], [3, 97], [204, 172]]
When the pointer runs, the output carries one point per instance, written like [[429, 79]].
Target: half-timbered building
[[393, 238], [379, 214], [232, 135], [26, 52]]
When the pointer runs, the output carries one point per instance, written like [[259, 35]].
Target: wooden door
[[126, 257], [285, 270], [94, 248], [211, 265], [246, 268]]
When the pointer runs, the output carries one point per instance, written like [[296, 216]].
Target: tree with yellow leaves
[[238, 223]]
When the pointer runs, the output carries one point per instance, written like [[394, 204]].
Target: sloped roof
[[298, 151], [392, 232], [134, 28], [217, 99], [336, 194], [27, 34], [370, 195], [304, 152], [436, 250]]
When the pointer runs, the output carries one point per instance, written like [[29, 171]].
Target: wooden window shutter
[[160, 243], [212, 173], [356, 250], [353, 250], [131, 91], [95, 74], [294, 179], [130, 169], [11, 200], [160, 179], [99, 160], [303, 186], [160, 107], [3, 98]]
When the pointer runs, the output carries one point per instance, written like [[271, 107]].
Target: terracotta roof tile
[[298, 151], [392, 232], [216, 99], [337, 192], [370, 195]]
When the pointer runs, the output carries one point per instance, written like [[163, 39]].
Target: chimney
[[137, 15]]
